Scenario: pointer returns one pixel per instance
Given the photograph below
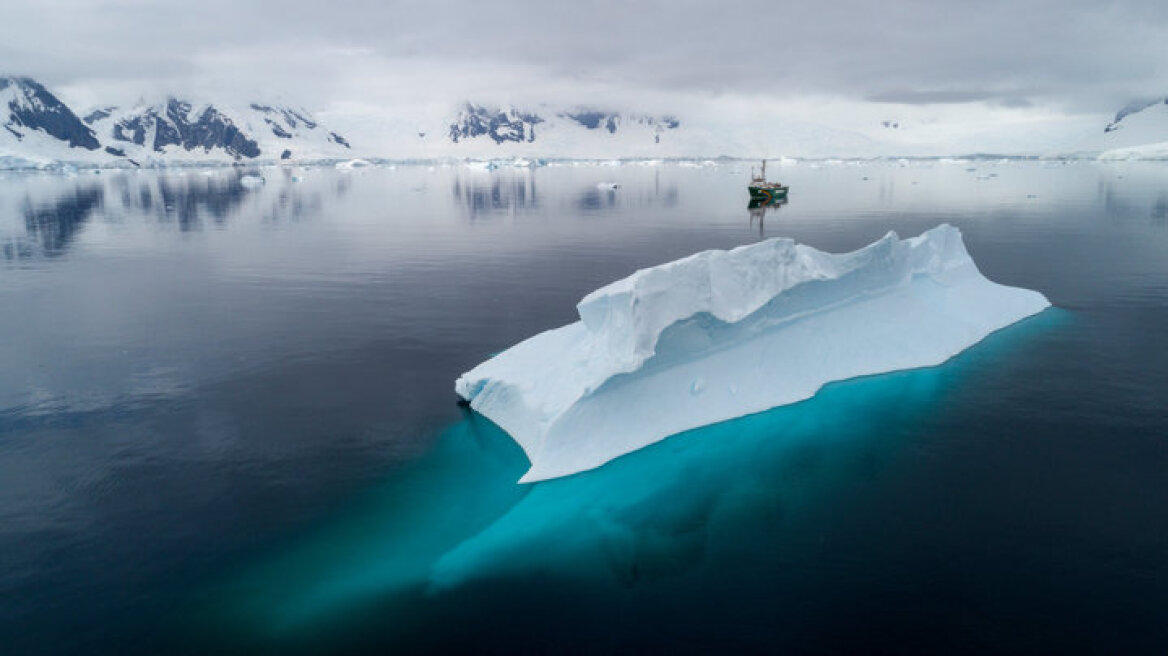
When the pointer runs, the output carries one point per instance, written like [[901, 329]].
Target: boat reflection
[[758, 209]]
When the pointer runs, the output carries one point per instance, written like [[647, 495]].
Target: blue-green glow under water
[[432, 548]]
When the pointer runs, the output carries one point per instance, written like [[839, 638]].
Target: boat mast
[[764, 169]]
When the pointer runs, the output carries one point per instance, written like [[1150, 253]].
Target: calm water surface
[[227, 421]]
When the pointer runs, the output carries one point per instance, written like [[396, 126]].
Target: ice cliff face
[[30, 107], [722, 334]]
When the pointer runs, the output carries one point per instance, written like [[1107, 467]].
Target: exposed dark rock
[[37, 109], [590, 120], [512, 125], [174, 125], [290, 117], [277, 130], [1132, 108], [98, 114], [611, 121]]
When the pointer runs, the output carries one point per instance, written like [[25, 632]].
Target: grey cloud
[[1014, 100], [1087, 54], [908, 97]]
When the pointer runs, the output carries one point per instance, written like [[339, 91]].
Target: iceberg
[[721, 334]]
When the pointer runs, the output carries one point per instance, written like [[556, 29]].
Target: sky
[[937, 60]]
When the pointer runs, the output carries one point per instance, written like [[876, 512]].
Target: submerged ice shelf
[[721, 334]]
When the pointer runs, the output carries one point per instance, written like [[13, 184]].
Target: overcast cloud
[[1079, 56]]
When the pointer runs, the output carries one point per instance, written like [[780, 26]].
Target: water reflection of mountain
[[609, 195], [1160, 211], [604, 198], [597, 199], [1135, 196], [50, 228], [187, 200], [499, 193], [54, 211]]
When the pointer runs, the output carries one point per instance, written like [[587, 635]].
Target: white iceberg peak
[[721, 334]]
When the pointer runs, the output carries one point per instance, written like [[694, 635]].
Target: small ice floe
[[607, 186], [353, 164], [251, 181]]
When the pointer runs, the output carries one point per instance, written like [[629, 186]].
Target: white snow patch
[[1152, 151]]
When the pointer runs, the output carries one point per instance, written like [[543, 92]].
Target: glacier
[[721, 334]]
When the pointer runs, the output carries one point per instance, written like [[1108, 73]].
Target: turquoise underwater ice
[[668, 518]]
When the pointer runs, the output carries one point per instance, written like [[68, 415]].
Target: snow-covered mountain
[[39, 128], [1139, 131], [31, 107], [519, 126], [35, 122], [179, 130]]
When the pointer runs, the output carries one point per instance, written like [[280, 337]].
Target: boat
[[763, 191]]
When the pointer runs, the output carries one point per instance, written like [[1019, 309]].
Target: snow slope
[[1138, 131], [722, 334]]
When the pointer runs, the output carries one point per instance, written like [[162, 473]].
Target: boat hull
[[767, 194]]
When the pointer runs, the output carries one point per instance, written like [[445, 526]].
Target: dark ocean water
[[227, 422]]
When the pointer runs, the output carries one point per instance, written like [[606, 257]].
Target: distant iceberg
[[721, 334]]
